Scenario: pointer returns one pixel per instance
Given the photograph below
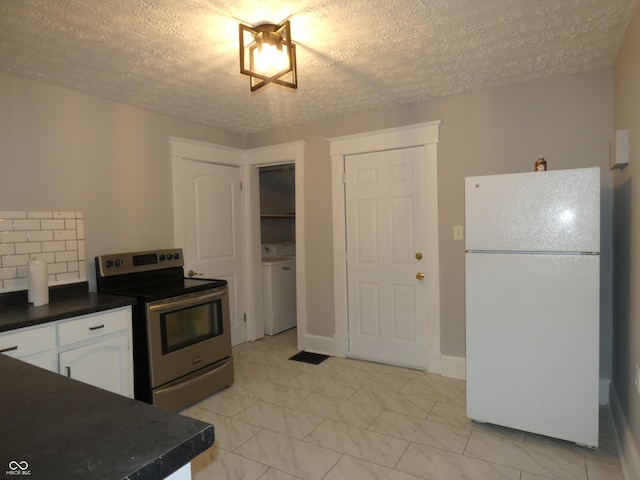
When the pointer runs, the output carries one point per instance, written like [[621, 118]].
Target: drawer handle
[[98, 327], [9, 349]]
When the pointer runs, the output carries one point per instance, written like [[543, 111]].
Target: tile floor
[[347, 419]]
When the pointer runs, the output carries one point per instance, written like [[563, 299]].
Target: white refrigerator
[[532, 279]]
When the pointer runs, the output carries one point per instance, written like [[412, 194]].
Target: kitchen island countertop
[[58, 428]]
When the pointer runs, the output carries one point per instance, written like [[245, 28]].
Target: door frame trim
[[285, 153], [249, 160], [419, 135]]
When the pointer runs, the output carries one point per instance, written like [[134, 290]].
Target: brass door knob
[[419, 255], [191, 273], [419, 275]]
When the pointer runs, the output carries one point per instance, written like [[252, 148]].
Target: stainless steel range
[[181, 326]]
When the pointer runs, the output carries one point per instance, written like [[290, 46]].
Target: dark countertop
[[66, 429], [64, 302]]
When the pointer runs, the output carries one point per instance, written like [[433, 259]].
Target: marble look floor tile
[[229, 432], [219, 464], [425, 432], [350, 468], [267, 391], [435, 391], [437, 464], [273, 474], [289, 455], [259, 355], [599, 470], [555, 463], [456, 416], [294, 423], [532, 476], [359, 443], [325, 386], [325, 369], [411, 373], [268, 373], [389, 382], [395, 402], [353, 363], [225, 403], [339, 410]]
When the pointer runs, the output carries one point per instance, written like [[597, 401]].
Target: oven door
[[187, 333]]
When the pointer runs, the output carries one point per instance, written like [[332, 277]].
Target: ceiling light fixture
[[268, 55]]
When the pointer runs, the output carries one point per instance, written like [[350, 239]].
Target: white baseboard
[[453, 367], [319, 344], [627, 448]]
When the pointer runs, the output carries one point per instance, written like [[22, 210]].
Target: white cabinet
[[96, 349], [102, 364], [35, 345]]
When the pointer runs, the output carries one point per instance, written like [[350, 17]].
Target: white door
[[387, 299], [208, 228]]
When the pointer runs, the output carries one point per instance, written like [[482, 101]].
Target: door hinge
[[240, 185], [344, 177], [245, 318]]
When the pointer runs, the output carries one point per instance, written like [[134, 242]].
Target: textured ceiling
[[180, 57]]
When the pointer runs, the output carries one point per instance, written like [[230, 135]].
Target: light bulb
[[270, 59]]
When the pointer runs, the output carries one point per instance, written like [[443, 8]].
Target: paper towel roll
[[38, 282]]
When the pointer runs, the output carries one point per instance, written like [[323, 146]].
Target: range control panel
[[123, 263]]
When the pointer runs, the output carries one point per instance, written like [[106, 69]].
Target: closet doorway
[[278, 246]]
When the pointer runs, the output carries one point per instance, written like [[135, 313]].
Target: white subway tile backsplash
[[26, 224], [64, 234], [54, 246], [70, 256], [7, 214], [14, 284], [39, 214], [54, 268], [13, 237], [14, 260], [6, 224], [40, 235], [80, 229], [28, 247], [7, 273], [57, 237], [56, 224]]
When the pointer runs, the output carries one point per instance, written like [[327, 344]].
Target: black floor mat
[[308, 357]]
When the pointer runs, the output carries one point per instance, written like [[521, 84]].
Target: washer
[[279, 287]]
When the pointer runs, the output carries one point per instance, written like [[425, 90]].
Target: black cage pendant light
[[268, 55]]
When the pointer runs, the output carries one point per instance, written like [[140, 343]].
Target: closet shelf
[[278, 215]]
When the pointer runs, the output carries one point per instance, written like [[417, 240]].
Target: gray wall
[[626, 234], [64, 150], [567, 120]]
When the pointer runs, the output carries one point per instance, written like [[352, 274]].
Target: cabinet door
[[104, 364]]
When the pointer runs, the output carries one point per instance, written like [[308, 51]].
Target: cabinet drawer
[[26, 342], [92, 326]]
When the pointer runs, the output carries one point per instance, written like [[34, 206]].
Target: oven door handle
[[186, 302]]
